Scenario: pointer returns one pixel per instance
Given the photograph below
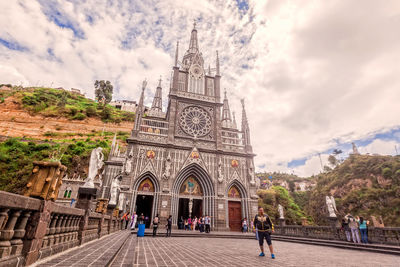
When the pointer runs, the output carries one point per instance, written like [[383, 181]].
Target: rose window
[[195, 121]]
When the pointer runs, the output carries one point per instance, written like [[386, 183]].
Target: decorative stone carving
[[167, 170], [220, 175], [252, 175], [121, 202], [115, 188], [280, 209], [101, 205], [45, 180], [128, 162], [95, 164], [331, 204]]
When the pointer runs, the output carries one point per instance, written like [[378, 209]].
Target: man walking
[[155, 225], [169, 225], [265, 228], [207, 222]]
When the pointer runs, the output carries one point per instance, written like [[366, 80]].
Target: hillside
[[362, 185], [46, 113]]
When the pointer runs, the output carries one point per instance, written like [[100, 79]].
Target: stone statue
[[252, 175], [331, 204], [190, 206], [220, 175], [167, 171], [95, 164], [128, 162], [121, 201], [355, 150], [115, 190], [280, 209]]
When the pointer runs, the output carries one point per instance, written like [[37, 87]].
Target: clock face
[[196, 71], [195, 121]]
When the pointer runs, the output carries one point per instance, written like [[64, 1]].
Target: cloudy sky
[[316, 75]]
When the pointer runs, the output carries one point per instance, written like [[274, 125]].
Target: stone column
[[7, 234]]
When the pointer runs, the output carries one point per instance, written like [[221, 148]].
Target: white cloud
[[317, 73]]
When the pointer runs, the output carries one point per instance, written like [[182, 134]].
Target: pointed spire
[[234, 124], [226, 113], [157, 101], [217, 63], [176, 54], [209, 70], [140, 108], [245, 126], [193, 45]]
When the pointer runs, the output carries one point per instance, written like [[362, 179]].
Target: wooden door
[[235, 215]]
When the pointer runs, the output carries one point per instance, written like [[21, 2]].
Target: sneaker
[[262, 254], [273, 256]]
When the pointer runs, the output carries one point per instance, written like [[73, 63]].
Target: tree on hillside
[[103, 91]]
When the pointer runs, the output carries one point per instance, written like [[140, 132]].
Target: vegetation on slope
[[16, 159], [269, 200], [51, 102], [362, 185]]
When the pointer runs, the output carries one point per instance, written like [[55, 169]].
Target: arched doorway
[[193, 191], [190, 199], [145, 197], [237, 204]]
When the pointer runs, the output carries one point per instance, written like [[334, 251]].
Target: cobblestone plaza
[[184, 251]]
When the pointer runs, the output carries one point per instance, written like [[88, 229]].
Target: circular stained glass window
[[195, 121]]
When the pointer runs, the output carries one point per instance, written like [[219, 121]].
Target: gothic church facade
[[191, 160]]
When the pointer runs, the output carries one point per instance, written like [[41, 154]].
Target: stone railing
[[386, 235], [32, 229]]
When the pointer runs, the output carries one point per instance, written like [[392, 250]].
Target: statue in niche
[[252, 175], [167, 171], [115, 189], [280, 209], [220, 175], [121, 202], [128, 162], [95, 164], [331, 204]]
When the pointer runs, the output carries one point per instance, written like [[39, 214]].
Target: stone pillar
[[282, 222], [7, 234], [333, 221], [19, 233]]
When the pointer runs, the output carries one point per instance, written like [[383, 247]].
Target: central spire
[[226, 113], [193, 46]]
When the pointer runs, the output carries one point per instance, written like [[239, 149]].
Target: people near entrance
[[168, 226], [190, 223], [141, 219], [207, 222], [265, 228], [244, 225], [125, 219], [363, 225], [180, 223], [186, 223], [201, 225], [194, 223], [133, 221], [346, 229], [155, 225]]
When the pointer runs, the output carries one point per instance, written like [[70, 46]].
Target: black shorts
[[266, 235]]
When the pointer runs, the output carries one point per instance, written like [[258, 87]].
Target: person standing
[[244, 225], [190, 223], [169, 225], [346, 229], [125, 219], [207, 222], [186, 225], [133, 221], [155, 225], [180, 223], [265, 228], [354, 229], [363, 229]]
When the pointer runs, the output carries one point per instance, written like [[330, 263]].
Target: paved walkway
[[125, 249]]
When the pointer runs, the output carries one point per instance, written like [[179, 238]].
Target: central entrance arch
[[193, 192]]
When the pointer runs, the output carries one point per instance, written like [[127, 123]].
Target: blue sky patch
[[12, 45]]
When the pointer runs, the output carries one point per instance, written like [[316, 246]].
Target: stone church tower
[[191, 160]]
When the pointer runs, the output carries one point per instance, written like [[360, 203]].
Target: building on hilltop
[[191, 160], [125, 105]]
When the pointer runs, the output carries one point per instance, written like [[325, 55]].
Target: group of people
[[353, 226], [202, 224], [141, 219]]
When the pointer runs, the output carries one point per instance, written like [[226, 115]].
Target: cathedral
[[192, 159]]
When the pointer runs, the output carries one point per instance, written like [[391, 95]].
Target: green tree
[[103, 90]]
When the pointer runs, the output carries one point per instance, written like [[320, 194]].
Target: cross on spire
[[194, 24]]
